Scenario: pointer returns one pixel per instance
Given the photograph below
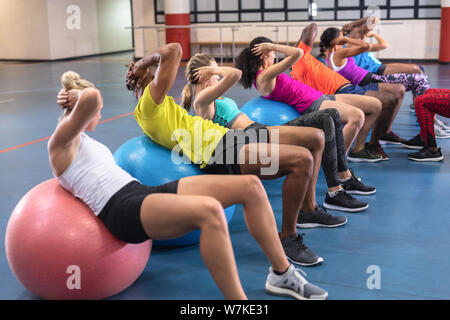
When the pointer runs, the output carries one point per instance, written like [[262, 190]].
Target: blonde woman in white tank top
[[171, 210]]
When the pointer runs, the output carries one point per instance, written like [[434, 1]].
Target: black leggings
[[334, 159]]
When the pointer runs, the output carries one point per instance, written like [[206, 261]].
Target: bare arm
[[86, 108], [166, 60], [347, 28], [230, 76], [381, 45], [265, 81], [357, 47], [309, 34]]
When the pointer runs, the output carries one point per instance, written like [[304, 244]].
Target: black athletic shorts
[[231, 144], [122, 213]]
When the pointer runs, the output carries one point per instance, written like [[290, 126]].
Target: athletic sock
[[278, 273], [344, 180]]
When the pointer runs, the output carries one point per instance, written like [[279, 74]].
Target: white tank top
[[93, 176]]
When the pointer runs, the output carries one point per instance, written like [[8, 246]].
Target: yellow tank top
[[171, 126]]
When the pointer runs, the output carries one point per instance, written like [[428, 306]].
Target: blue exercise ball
[[152, 165], [269, 112]]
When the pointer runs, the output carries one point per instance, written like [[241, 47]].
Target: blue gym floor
[[405, 231]]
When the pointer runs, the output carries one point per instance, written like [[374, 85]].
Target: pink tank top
[[292, 92], [350, 70]]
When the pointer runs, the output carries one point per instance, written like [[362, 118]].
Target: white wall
[[408, 39], [145, 41], [37, 30], [113, 17], [24, 29], [65, 43]]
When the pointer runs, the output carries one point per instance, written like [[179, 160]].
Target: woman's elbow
[[91, 93], [237, 74], [172, 50], [92, 96]]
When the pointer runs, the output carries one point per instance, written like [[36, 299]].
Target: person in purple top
[[391, 93]]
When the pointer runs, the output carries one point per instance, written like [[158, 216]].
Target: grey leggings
[[334, 159]]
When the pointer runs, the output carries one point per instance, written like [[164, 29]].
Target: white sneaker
[[412, 108], [440, 133], [442, 125], [292, 284]]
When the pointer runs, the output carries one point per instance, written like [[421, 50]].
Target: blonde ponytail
[[186, 97], [196, 61]]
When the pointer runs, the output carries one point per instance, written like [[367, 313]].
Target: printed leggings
[[431, 102], [415, 82], [334, 159]]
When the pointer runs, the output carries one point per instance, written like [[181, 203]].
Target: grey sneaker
[[292, 284], [440, 132], [443, 125], [319, 218], [298, 253]]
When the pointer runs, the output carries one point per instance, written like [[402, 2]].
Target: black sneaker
[[426, 154], [342, 201], [355, 186], [298, 253], [391, 138], [319, 218], [416, 143], [353, 174]]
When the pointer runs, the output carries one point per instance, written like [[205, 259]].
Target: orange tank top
[[315, 74]]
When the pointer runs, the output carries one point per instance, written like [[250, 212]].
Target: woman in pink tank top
[[259, 69]]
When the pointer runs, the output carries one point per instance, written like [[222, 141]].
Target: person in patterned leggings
[[433, 101]]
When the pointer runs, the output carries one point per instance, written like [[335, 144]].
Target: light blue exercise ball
[[152, 165], [269, 112]]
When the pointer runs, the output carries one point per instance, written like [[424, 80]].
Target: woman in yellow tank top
[[237, 151], [169, 125]]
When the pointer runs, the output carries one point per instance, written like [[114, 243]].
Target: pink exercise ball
[[58, 249]]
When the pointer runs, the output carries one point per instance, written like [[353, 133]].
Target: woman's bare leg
[[401, 68], [296, 163], [391, 96], [398, 91], [248, 191], [312, 139], [371, 108], [166, 216]]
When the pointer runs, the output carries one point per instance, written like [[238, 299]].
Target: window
[[223, 11]]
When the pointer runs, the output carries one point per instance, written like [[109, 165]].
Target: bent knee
[[318, 137], [357, 118], [211, 213], [254, 185], [334, 113], [400, 91], [302, 162]]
